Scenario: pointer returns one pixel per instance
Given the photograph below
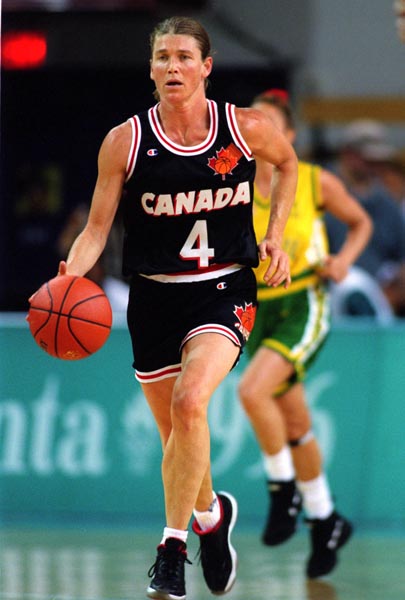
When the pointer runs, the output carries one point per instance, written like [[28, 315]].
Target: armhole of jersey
[[316, 188], [133, 151], [235, 131]]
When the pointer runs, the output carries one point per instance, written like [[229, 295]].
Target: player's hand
[[278, 271], [334, 268]]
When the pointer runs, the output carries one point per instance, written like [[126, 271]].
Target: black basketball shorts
[[162, 317]]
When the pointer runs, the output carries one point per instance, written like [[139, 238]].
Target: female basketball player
[[187, 165], [291, 327]]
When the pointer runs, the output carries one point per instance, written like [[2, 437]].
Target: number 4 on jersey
[[196, 245]]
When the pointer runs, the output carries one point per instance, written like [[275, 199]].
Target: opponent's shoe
[[327, 536], [168, 571], [218, 556], [285, 506]]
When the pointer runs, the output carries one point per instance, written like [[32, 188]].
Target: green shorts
[[295, 325]]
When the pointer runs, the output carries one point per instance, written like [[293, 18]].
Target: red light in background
[[23, 49]]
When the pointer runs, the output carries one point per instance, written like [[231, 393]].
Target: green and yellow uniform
[[295, 321]]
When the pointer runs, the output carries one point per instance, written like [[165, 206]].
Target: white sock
[[180, 534], [317, 499], [279, 467], [207, 519]]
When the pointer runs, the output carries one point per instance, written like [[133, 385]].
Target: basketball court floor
[[86, 563]]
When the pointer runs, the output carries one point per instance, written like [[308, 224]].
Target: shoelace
[[168, 564]]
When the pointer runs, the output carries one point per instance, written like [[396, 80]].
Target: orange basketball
[[222, 165], [70, 317]]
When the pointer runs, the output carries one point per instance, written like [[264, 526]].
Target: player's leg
[[159, 398], [206, 361], [329, 530], [168, 570], [266, 371], [264, 374]]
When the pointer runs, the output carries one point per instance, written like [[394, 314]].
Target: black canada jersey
[[188, 209]]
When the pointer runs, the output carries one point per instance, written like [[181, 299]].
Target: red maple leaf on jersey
[[246, 317], [225, 161]]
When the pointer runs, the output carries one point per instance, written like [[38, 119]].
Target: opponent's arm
[[268, 143], [337, 200]]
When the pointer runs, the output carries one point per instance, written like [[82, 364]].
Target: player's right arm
[[267, 142], [90, 243]]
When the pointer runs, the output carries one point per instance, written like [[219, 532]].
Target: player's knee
[[188, 407], [297, 423], [248, 395], [301, 440]]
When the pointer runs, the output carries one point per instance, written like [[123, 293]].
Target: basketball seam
[[50, 312], [59, 315]]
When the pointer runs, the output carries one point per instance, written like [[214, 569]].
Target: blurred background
[[73, 434], [72, 69]]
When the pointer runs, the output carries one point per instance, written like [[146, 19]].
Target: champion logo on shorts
[[152, 152], [221, 285]]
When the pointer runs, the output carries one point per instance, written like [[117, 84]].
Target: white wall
[[354, 48], [341, 47]]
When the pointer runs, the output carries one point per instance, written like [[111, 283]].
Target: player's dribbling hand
[[278, 271]]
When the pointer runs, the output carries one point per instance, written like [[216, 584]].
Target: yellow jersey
[[305, 238]]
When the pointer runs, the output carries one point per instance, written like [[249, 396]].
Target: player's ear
[[207, 66]]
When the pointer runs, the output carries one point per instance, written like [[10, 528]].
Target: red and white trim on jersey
[[198, 275], [159, 374], [235, 131], [135, 143], [212, 328], [177, 148]]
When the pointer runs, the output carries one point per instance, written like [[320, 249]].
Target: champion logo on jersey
[[152, 152], [221, 285]]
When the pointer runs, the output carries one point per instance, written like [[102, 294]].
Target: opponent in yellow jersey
[[291, 325]]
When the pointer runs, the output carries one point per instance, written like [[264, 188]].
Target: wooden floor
[[101, 564]]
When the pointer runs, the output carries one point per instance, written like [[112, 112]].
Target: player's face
[[177, 67]]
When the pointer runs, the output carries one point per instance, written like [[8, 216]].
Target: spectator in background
[[36, 216], [391, 170], [364, 144]]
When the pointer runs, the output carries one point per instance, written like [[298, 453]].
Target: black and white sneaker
[[285, 507], [327, 536], [168, 571], [218, 556]]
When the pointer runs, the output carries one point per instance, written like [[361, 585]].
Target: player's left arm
[[342, 205], [268, 143]]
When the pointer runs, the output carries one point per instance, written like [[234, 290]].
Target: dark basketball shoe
[[218, 556], [327, 536], [168, 571], [285, 506]]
